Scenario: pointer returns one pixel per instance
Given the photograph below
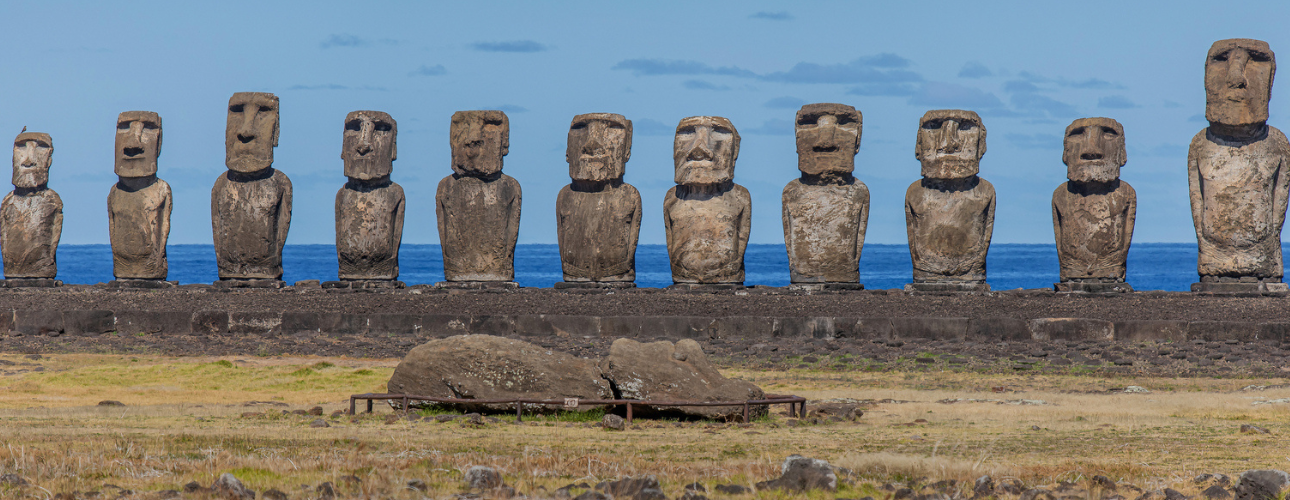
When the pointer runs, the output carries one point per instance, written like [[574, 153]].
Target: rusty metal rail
[[793, 403]]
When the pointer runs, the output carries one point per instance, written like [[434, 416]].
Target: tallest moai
[[1236, 173]]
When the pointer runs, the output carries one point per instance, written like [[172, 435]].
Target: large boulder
[[488, 367], [663, 371], [1262, 484]]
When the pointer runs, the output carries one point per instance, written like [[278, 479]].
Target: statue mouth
[[824, 149]]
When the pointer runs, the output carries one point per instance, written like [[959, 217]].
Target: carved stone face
[[33, 153], [1094, 150], [369, 148], [138, 143], [950, 144], [828, 137], [1238, 81], [479, 140], [599, 146], [705, 150], [251, 132]]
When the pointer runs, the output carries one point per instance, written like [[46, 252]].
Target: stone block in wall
[[154, 322], [998, 329], [1071, 329], [1274, 331], [499, 325], [42, 322], [393, 324], [873, 328], [557, 325], [741, 327], [445, 325], [807, 327], [294, 322], [650, 327], [6, 321], [342, 323], [930, 328], [88, 323], [209, 322], [254, 323], [1222, 330], [1150, 330]]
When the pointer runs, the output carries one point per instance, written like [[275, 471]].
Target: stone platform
[[424, 312]]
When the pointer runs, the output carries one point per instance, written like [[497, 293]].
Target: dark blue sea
[[1152, 266]]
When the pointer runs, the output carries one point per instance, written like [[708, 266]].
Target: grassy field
[[190, 419]]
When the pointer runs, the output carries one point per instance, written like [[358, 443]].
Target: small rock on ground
[[480, 477], [613, 422], [228, 486]]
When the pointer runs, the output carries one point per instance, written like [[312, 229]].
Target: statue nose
[[363, 148]]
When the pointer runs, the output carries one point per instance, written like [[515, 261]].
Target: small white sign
[[570, 402]]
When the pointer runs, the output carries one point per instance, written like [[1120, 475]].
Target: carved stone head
[[370, 145], [1094, 150], [251, 132], [705, 150], [33, 153], [138, 143], [828, 137], [599, 146], [1238, 81], [950, 144], [479, 140]]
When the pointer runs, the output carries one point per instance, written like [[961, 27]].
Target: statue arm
[[440, 211], [633, 237], [911, 223], [396, 239], [1057, 222], [745, 225], [787, 218], [1195, 189], [560, 200], [163, 215], [215, 216], [863, 200], [1130, 216], [284, 212], [669, 200], [57, 233], [513, 222], [1282, 189]]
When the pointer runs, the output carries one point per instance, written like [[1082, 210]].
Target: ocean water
[[1152, 266]]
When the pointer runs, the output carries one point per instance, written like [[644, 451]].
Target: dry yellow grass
[[184, 422]]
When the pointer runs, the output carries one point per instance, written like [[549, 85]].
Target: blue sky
[[1028, 68]]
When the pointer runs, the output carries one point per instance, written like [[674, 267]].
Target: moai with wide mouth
[[369, 208], [949, 213], [706, 215], [826, 210], [251, 203], [31, 216], [139, 205], [1093, 212], [1237, 174], [598, 216], [478, 207]]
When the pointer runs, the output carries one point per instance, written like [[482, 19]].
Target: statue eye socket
[[966, 125], [932, 124], [150, 126], [1109, 131], [1075, 132], [845, 120], [617, 126], [578, 126], [123, 125], [808, 120], [265, 108], [1220, 57], [383, 127], [354, 125], [686, 130], [236, 108], [1259, 56]]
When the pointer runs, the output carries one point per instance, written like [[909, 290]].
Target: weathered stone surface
[[1262, 484], [1071, 329], [31, 216], [707, 216], [826, 210], [1237, 167], [598, 216], [632, 488], [664, 371], [1093, 213], [369, 208], [139, 204], [251, 203], [949, 213], [486, 367], [480, 477], [478, 207], [799, 473], [229, 487]]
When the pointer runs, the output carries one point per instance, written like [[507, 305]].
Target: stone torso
[[1238, 195], [30, 227], [1093, 231], [707, 235], [250, 222], [139, 224], [949, 231], [824, 230], [598, 233], [478, 226], [369, 228]]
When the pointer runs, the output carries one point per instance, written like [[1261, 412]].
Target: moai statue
[[478, 207], [31, 217], [949, 213], [1093, 213], [1237, 173], [706, 214], [369, 209], [139, 204], [598, 215], [251, 203], [827, 209]]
